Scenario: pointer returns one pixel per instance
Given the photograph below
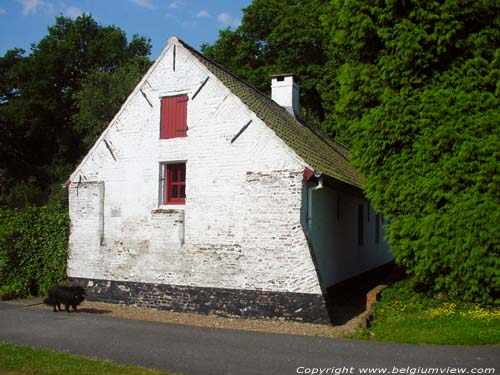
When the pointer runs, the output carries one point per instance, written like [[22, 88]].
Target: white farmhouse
[[204, 195]]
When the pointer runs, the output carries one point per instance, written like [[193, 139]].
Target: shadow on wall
[[347, 299]]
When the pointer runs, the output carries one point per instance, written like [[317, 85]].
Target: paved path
[[195, 350]]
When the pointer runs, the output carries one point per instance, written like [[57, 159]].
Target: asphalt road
[[195, 350]]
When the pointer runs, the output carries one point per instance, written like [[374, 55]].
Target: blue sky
[[23, 22]]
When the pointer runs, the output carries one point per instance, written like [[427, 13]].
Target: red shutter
[[173, 122]]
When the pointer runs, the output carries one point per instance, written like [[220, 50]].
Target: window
[[377, 228], [173, 183], [173, 122], [338, 206], [361, 226]]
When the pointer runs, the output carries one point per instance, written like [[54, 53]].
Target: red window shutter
[[173, 121], [176, 183]]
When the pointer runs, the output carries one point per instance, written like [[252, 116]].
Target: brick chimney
[[285, 92]]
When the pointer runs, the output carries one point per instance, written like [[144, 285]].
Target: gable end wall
[[240, 227]]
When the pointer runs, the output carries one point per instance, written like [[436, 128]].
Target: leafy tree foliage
[[42, 95], [33, 250], [277, 36], [101, 95], [414, 89], [54, 103]]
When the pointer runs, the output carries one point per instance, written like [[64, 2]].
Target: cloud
[[70, 10], [203, 14], [225, 19], [34, 6], [175, 4], [2, 11], [147, 4]]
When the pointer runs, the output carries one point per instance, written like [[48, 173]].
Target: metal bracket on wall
[[173, 62], [109, 149], [199, 88], [145, 97], [78, 184], [241, 131]]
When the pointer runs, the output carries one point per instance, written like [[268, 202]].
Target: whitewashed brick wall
[[240, 226]]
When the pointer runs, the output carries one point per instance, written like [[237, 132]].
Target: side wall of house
[[240, 226], [344, 235]]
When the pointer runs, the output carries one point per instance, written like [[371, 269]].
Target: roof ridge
[[232, 74], [300, 120], [328, 156]]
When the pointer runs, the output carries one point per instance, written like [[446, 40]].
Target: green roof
[[323, 154]]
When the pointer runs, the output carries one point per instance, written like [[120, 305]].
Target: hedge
[[33, 250]]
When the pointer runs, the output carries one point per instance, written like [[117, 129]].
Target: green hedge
[[415, 94], [33, 250]]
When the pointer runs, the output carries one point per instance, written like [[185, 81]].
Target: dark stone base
[[309, 308]]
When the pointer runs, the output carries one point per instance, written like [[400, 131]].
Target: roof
[[323, 154]]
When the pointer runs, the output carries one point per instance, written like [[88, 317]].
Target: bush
[[33, 250], [414, 90]]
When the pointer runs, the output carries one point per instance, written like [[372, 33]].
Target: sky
[[23, 22]]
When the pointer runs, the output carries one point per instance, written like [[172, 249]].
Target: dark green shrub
[[33, 250], [414, 90]]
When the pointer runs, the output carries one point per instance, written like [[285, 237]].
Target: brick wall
[[301, 307]]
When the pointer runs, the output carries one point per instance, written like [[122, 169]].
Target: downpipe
[[310, 200]]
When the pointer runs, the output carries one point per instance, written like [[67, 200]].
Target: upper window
[[173, 186], [173, 121]]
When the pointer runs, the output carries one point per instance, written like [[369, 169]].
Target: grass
[[23, 360], [403, 315]]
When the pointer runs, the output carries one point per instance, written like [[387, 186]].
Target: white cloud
[[33, 6], [225, 19], [147, 4], [2, 11], [70, 10], [175, 5], [203, 14]]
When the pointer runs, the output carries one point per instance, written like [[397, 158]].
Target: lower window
[[173, 183]]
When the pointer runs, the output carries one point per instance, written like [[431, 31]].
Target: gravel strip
[[212, 321]]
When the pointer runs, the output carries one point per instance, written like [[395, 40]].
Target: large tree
[[414, 89], [101, 96], [277, 36], [43, 134]]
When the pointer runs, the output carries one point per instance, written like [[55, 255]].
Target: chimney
[[285, 92]]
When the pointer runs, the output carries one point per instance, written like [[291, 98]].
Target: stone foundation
[[302, 307]]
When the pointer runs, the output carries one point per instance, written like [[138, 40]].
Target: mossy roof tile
[[322, 153]]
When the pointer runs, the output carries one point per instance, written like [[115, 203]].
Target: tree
[[277, 36], [39, 96], [101, 96], [414, 89]]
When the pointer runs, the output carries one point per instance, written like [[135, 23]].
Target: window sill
[[172, 206], [166, 139], [168, 209]]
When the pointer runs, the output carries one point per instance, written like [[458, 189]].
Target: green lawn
[[23, 360], [403, 315]]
